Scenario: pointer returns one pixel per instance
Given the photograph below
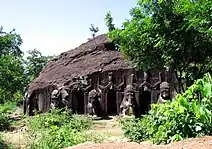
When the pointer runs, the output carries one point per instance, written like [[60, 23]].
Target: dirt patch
[[110, 127], [196, 143], [116, 139], [16, 135], [17, 139]]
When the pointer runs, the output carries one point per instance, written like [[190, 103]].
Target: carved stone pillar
[[119, 97], [74, 102], [103, 102], [137, 98], [70, 100], [85, 102], [154, 96], [41, 102], [48, 99]]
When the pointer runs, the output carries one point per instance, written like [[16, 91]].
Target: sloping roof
[[90, 57]]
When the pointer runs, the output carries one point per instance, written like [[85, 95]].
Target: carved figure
[[109, 85], [30, 102], [145, 94], [127, 104], [88, 84], [156, 89], [132, 82], [162, 78], [75, 85], [146, 84], [119, 86], [164, 93], [26, 102], [59, 98], [92, 95], [84, 80], [94, 103]]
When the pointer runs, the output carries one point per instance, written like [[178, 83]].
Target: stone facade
[[95, 66], [110, 87]]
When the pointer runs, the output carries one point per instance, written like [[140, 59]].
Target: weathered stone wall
[[96, 59]]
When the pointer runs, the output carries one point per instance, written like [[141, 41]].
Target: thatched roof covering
[[91, 57]]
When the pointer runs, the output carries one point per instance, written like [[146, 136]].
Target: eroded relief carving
[[145, 94], [59, 98], [164, 93], [127, 104], [119, 92], [109, 85], [94, 107]]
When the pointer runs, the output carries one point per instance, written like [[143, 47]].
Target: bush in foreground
[[58, 129], [189, 115], [5, 110], [4, 145]]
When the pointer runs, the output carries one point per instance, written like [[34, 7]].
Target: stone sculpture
[[85, 80], [104, 90], [59, 98], [30, 102], [145, 94], [109, 85], [119, 92], [26, 102], [164, 93], [94, 103], [121, 83], [92, 95], [127, 104], [133, 81], [156, 89], [145, 86]]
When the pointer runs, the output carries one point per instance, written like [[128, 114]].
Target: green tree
[[11, 77], [169, 33], [11, 66], [109, 21], [35, 62], [15, 72], [10, 43], [93, 30]]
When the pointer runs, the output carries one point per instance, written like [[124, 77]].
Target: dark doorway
[[80, 102], [145, 102], [111, 103]]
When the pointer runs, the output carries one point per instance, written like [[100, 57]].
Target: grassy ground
[[16, 134], [101, 131]]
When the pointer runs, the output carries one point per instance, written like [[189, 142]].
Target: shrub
[[58, 129], [5, 110], [7, 107], [3, 145], [4, 122], [189, 115], [57, 118]]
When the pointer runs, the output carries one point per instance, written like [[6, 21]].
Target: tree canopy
[[109, 22], [15, 72], [10, 43], [176, 34], [35, 62]]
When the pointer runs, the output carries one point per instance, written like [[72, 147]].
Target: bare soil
[[116, 140], [195, 143], [16, 135]]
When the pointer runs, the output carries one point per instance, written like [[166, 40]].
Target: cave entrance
[[80, 102], [145, 102], [111, 103]]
